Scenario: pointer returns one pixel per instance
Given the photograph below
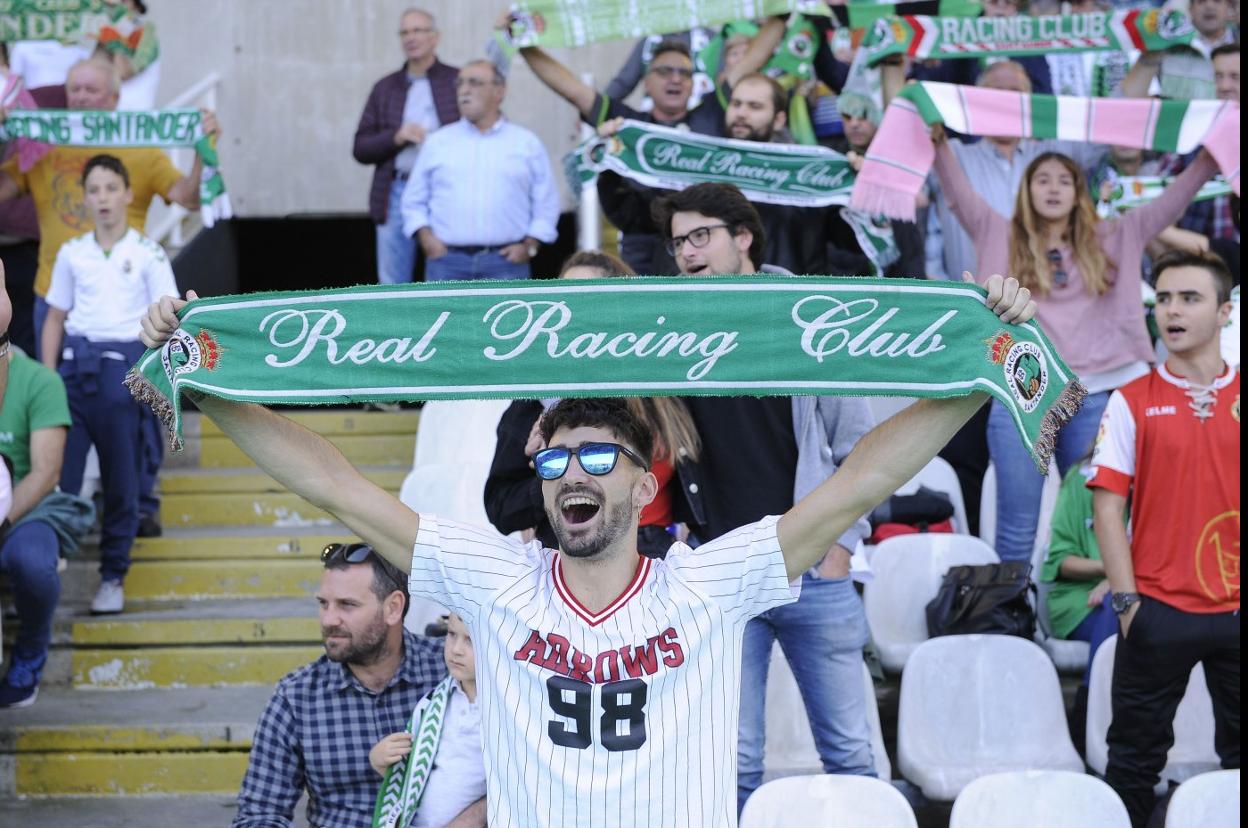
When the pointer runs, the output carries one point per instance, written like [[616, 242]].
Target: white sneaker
[[110, 599]]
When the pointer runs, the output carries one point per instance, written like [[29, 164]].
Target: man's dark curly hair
[[613, 415], [718, 201]]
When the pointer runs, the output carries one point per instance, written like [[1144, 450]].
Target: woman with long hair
[[513, 493], [1085, 274]]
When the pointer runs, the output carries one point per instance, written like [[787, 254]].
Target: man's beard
[[619, 519], [761, 136], [363, 648]]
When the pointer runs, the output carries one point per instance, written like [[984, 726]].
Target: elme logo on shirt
[[1160, 411]]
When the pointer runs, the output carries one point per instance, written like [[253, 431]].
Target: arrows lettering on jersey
[[554, 652]]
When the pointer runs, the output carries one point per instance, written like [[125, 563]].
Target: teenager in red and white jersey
[[614, 679], [1169, 441]]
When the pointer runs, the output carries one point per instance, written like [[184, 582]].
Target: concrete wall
[[295, 75]]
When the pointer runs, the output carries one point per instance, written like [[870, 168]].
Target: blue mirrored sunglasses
[[595, 459]]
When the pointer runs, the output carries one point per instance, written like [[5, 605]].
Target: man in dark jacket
[[402, 109]]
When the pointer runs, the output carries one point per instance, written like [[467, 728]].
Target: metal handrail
[[166, 227]]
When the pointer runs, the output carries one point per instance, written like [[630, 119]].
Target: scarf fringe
[[141, 388], [1068, 404], [881, 200]]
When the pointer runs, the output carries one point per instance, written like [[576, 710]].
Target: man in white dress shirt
[[482, 195]]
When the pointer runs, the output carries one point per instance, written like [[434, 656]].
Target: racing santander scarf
[[164, 128], [672, 159], [902, 154], [404, 783], [69, 21], [1128, 191], [864, 15], [922, 37], [714, 336]]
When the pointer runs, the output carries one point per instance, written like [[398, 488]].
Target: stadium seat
[[1039, 799], [790, 747], [973, 705], [1210, 800], [843, 801], [1192, 752], [908, 570], [940, 476]]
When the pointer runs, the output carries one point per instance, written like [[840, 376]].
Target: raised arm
[[762, 47], [888, 456], [185, 191], [1150, 219], [560, 78], [302, 461]]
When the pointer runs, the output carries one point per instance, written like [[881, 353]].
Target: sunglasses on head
[[350, 552], [595, 458], [1060, 276]]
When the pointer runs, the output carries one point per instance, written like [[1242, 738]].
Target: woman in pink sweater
[[1085, 275]]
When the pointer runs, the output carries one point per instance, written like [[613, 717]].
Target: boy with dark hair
[[1169, 441], [724, 202], [101, 284]]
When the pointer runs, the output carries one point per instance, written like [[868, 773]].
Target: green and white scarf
[[164, 128], [404, 784], [924, 37], [69, 21], [864, 15], [1128, 191], [716, 336], [672, 159], [579, 22]]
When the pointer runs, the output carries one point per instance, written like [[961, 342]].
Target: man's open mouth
[[695, 269], [578, 509]]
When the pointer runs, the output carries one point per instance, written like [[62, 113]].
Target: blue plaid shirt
[[316, 733]]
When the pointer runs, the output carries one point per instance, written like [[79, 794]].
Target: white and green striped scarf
[[403, 787]]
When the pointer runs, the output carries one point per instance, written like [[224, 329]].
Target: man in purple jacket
[[402, 109]]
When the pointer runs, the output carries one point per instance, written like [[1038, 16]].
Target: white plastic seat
[[1039, 799], [973, 705], [790, 746], [1210, 800], [843, 801], [941, 477], [1192, 753], [908, 570]]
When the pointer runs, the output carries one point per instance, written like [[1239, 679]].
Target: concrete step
[[237, 481], [178, 580], [74, 742], [177, 666], [279, 509], [361, 449], [229, 542], [334, 422], [151, 811]]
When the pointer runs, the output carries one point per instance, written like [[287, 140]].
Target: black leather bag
[[991, 598]]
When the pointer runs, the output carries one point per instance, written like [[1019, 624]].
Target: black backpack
[[990, 598]]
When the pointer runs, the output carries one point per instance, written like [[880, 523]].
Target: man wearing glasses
[[323, 718], [614, 679], [482, 194], [403, 109]]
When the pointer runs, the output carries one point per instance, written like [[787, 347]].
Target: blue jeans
[[488, 264], [1019, 485], [396, 253], [822, 636], [29, 557], [153, 454], [41, 316], [106, 416], [1100, 625]]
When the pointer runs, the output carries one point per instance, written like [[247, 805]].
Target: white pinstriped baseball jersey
[[623, 718]]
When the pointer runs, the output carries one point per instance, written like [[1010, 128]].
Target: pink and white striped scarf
[[902, 154]]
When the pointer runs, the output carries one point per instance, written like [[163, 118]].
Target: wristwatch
[[4, 344], [1122, 601], [532, 249]]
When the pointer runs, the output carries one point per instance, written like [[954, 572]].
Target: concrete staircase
[[161, 701]]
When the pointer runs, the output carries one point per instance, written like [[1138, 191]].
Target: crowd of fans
[[459, 191]]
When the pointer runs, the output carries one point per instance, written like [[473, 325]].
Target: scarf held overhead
[[578, 22], [902, 154], [718, 336], [922, 37], [164, 128], [69, 21], [672, 159]]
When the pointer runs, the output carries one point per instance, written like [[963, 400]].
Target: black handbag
[[990, 598]]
